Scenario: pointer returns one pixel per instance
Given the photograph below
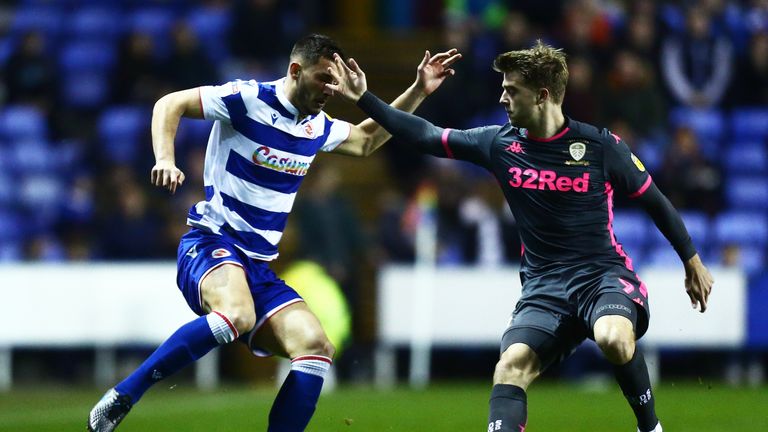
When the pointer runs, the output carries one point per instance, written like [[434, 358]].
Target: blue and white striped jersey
[[258, 153]]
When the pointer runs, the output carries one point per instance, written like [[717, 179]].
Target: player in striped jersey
[[264, 138]]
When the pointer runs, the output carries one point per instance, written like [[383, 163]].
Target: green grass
[[445, 407]]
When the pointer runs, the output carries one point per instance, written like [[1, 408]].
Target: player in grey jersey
[[558, 176]]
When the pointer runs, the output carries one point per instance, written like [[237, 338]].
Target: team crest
[[221, 253], [577, 150], [308, 130], [637, 162]]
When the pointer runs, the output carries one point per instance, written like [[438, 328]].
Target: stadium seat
[[42, 192], [211, 25], [32, 156], [87, 56], [631, 228], [43, 18], [750, 123], [156, 22], [84, 89], [663, 256], [12, 227], [747, 193], [23, 122], [121, 130], [741, 228], [709, 125], [94, 23], [746, 158]]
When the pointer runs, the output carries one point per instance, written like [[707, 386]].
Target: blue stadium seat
[[157, 22], [7, 186], [87, 56], [746, 157], [750, 123], [122, 130], [84, 89], [42, 192], [95, 23], [211, 25], [12, 227], [23, 122], [697, 224], [709, 125], [631, 228], [33, 156], [43, 18], [10, 251], [663, 256], [747, 193], [742, 228]]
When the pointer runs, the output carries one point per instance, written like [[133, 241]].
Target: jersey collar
[[280, 92]]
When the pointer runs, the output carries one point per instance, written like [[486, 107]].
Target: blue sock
[[296, 401], [190, 342]]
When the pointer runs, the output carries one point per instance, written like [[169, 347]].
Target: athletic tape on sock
[[222, 328], [312, 364]]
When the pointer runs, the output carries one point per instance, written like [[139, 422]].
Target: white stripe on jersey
[[257, 196]]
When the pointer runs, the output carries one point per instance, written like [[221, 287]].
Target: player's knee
[[617, 346], [243, 317], [516, 368], [312, 342]]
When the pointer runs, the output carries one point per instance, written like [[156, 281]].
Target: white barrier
[[99, 305], [471, 307]]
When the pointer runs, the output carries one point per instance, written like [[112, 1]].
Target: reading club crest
[[220, 253], [577, 150]]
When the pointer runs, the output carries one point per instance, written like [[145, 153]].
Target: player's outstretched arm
[[166, 116], [698, 280], [367, 136]]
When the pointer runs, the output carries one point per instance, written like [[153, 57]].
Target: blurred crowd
[[684, 83]]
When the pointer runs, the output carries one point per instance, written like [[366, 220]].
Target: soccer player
[[558, 176], [264, 138]]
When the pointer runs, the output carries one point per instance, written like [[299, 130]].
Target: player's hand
[[348, 80], [166, 175], [698, 282], [434, 69]]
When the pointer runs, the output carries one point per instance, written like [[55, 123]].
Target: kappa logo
[[515, 147], [221, 253], [577, 150], [274, 117]]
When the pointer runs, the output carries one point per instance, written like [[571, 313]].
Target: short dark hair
[[541, 66], [312, 47]]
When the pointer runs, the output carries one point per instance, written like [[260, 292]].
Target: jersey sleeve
[[212, 97], [471, 145], [624, 169], [337, 133]]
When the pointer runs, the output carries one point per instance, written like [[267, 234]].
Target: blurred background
[[685, 83]]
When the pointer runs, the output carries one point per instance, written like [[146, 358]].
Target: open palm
[[433, 70]]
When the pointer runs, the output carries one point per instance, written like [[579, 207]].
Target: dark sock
[[636, 386], [509, 409]]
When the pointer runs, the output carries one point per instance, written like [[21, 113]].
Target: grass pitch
[[682, 407]]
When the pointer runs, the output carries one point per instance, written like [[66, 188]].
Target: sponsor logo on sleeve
[[637, 162]]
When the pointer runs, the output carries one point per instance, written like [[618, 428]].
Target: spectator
[[752, 86], [188, 66], [257, 36], [631, 95], [138, 76], [580, 96], [29, 73], [697, 65], [687, 178]]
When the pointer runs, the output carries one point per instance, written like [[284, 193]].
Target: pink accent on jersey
[[522, 428], [638, 301], [614, 243], [616, 137], [515, 147], [444, 140], [552, 138], [628, 288], [643, 288], [229, 323], [642, 189]]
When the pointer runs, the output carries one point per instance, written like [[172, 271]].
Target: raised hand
[[166, 175], [433, 70], [698, 283], [348, 80]]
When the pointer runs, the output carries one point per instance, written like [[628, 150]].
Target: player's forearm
[[403, 125], [166, 116], [408, 102], [668, 221]]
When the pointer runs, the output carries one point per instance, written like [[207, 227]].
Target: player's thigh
[[550, 335], [292, 332], [224, 287]]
